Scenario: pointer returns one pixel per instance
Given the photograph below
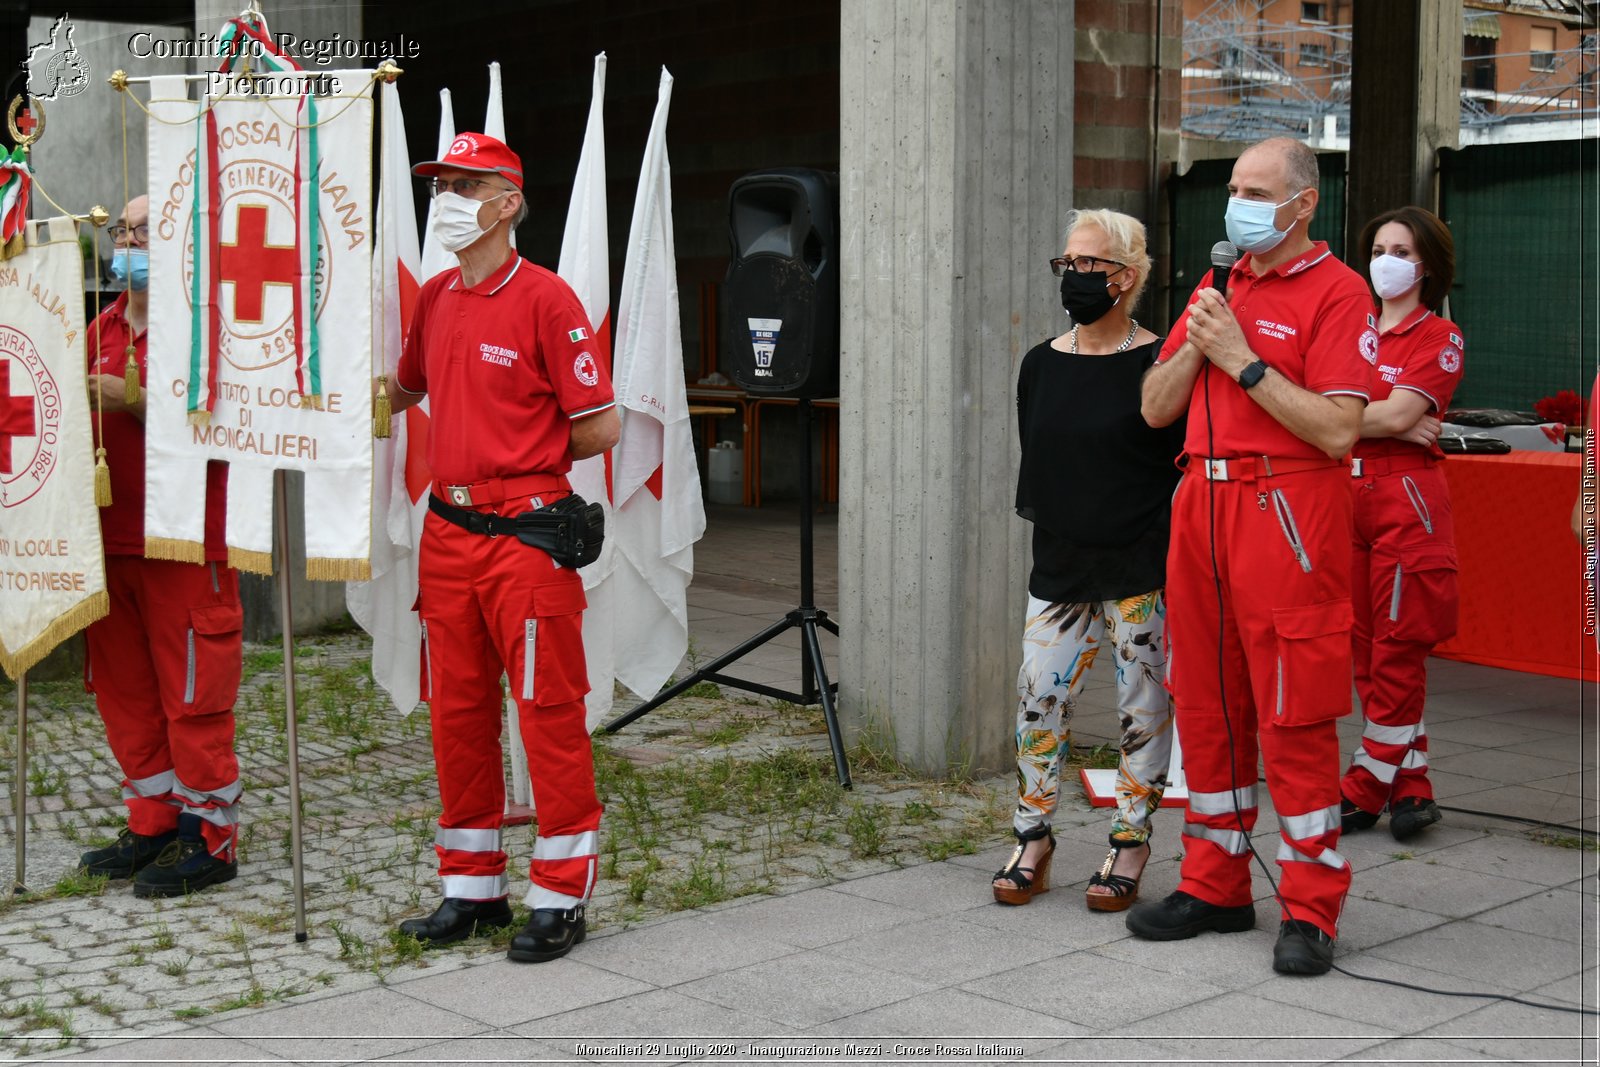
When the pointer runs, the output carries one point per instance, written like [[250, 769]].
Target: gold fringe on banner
[[338, 570], [130, 379], [102, 480], [200, 418], [244, 559], [91, 610], [381, 414], [14, 247], [174, 548]]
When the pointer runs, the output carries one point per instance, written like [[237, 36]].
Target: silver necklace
[[1123, 347]]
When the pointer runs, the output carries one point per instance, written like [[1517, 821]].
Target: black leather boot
[[549, 935], [1179, 915], [1302, 948], [125, 857], [458, 919]]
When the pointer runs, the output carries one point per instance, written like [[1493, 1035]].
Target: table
[[1522, 589], [829, 440]]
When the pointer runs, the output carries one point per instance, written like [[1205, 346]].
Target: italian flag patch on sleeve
[[577, 335]]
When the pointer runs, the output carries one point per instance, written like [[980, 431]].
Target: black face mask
[[1085, 296]]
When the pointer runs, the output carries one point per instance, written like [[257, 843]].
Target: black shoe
[[184, 866], [458, 919], [127, 855], [1181, 915], [1412, 815], [549, 935], [1353, 818], [1302, 948]]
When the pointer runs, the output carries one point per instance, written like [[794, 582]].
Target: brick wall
[[1114, 85]]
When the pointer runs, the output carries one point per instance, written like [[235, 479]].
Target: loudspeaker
[[780, 300]]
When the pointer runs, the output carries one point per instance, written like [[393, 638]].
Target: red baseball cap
[[479, 153]]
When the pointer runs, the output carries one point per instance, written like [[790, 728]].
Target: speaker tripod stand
[[815, 686]]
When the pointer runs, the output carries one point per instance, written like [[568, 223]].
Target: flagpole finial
[[99, 216], [118, 80], [388, 71]]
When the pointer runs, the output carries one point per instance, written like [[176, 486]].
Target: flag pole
[[20, 787], [286, 620]]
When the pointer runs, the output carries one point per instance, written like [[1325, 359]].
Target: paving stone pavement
[[749, 909]]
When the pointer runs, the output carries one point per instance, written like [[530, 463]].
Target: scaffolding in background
[[1245, 78]]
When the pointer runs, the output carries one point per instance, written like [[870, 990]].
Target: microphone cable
[[1233, 756]]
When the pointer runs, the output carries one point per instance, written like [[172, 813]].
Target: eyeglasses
[[1083, 265], [121, 233], [462, 187]]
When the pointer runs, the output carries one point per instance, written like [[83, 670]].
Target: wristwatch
[[1251, 376]]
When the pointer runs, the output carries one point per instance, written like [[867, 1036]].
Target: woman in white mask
[[1403, 584]]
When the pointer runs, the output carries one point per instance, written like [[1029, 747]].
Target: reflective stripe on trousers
[[475, 886]]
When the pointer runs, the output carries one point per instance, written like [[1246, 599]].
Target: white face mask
[[1393, 276], [455, 220]]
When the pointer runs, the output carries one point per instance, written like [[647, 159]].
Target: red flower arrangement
[[1566, 407]]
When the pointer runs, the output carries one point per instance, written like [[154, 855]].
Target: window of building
[[1313, 12], [1542, 45], [1313, 55]]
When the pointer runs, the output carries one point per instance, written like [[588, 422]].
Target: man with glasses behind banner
[[164, 665], [518, 391], [1273, 378]]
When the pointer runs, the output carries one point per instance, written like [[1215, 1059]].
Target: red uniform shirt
[[1423, 354], [1311, 320], [122, 434], [507, 364]]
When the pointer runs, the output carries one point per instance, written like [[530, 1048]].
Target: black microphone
[[1224, 254]]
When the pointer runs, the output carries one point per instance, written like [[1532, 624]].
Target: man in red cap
[[518, 391]]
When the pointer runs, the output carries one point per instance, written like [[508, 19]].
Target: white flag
[[494, 118], [383, 606], [586, 266], [434, 258], [656, 485]]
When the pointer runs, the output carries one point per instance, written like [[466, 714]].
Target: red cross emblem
[[16, 417], [26, 122], [250, 264]]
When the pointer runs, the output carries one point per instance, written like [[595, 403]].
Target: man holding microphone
[[1273, 378]]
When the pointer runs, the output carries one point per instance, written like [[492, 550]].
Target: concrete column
[[955, 179], [1405, 104]]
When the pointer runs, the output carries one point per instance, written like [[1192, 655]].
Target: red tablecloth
[[1522, 589]]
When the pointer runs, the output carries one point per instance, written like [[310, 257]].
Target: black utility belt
[[570, 530]]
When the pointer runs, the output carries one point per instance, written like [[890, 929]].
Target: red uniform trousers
[[1406, 600], [164, 669], [1279, 645], [493, 605]]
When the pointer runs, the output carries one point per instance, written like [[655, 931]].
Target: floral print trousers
[[1059, 645]]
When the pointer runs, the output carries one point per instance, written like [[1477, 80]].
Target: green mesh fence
[[1527, 251]]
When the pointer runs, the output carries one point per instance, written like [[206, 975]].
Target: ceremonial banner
[[656, 484], [586, 266], [52, 572], [261, 316]]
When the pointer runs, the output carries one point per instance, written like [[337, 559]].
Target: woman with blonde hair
[[1097, 483]]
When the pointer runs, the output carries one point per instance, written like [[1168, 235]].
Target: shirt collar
[[494, 282], [1304, 261], [1405, 325]]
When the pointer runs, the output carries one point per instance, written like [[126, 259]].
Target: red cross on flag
[[52, 575], [261, 316]]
